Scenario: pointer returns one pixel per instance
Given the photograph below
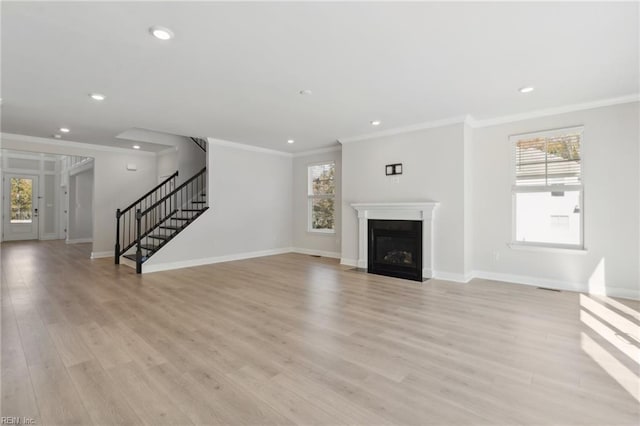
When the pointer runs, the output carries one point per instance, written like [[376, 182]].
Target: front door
[[20, 207]]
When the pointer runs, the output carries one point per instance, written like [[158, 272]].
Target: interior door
[[20, 207]]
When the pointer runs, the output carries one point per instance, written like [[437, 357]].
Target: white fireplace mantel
[[423, 211]]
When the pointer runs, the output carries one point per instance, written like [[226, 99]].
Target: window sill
[[548, 249], [328, 232]]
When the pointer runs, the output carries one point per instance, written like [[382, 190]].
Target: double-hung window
[[547, 189], [321, 191]]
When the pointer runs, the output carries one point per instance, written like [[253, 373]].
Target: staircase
[[149, 223]]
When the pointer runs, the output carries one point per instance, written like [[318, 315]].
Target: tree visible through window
[[547, 190], [322, 197], [21, 200]]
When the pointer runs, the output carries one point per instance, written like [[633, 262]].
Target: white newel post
[[423, 211]]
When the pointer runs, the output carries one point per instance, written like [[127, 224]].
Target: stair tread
[[159, 237], [133, 257], [180, 218], [191, 210], [174, 228], [149, 246], [198, 202]]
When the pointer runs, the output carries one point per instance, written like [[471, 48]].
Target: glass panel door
[[21, 212]]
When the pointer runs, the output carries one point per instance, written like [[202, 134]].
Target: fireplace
[[405, 243], [395, 248]]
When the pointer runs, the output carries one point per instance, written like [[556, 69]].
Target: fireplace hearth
[[395, 248], [400, 259]]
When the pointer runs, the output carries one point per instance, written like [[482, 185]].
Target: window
[[21, 200], [321, 190], [547, 189]]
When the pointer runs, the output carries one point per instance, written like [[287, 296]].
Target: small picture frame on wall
[[393, 169]]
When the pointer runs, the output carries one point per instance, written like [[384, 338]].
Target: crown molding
[[553, 111], [70, 144], [406, 129], [494, 121], [317, 151], [245, 147]]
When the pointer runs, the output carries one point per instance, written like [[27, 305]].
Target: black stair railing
[[126, 228], [201, 142], [165, 218]]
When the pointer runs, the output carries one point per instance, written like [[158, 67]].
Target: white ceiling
[[234, 70]]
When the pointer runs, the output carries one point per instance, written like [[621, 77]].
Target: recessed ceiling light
[[57, 136], [136, 147], [97, 97], [527, 89], [161, 33], [64, 130], [306, 92], [290, 141], [376, 122]]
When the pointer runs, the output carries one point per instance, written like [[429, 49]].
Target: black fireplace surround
[[395, 248]]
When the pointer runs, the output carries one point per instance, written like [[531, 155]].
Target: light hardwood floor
[[294, 339]]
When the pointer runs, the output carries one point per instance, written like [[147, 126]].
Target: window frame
[[311, 198], [515, 189]]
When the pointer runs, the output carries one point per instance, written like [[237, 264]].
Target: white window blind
[[547, 188], [545, 161]]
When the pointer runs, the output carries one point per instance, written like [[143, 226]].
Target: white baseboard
[[331, 254], [529, 280], [557, 284], [349, 262], [101, 254], [146, 268], [79, 240], [452, 276]]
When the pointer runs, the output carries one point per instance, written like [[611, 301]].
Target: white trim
[[245, 147], [71, 144], [317, 151], [331, 254], [79, 241], [494, 121], [78, 168], [555, 284], [452, 276], [422, 211], [549, 133], [101, 254], [515, 189], [349, 262], [553, 111], [532, 281], [407, 129], [547, 248], [146, 268], [321, 231]]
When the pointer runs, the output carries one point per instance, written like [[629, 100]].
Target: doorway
[[20, 216]]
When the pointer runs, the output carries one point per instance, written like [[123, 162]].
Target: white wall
[[433, 169], [191, 159], [80, 207], [250, 214], [611, 207], [167, 163], [115, 187], [303, 240]]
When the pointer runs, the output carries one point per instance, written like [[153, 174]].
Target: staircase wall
[[250, 196]]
